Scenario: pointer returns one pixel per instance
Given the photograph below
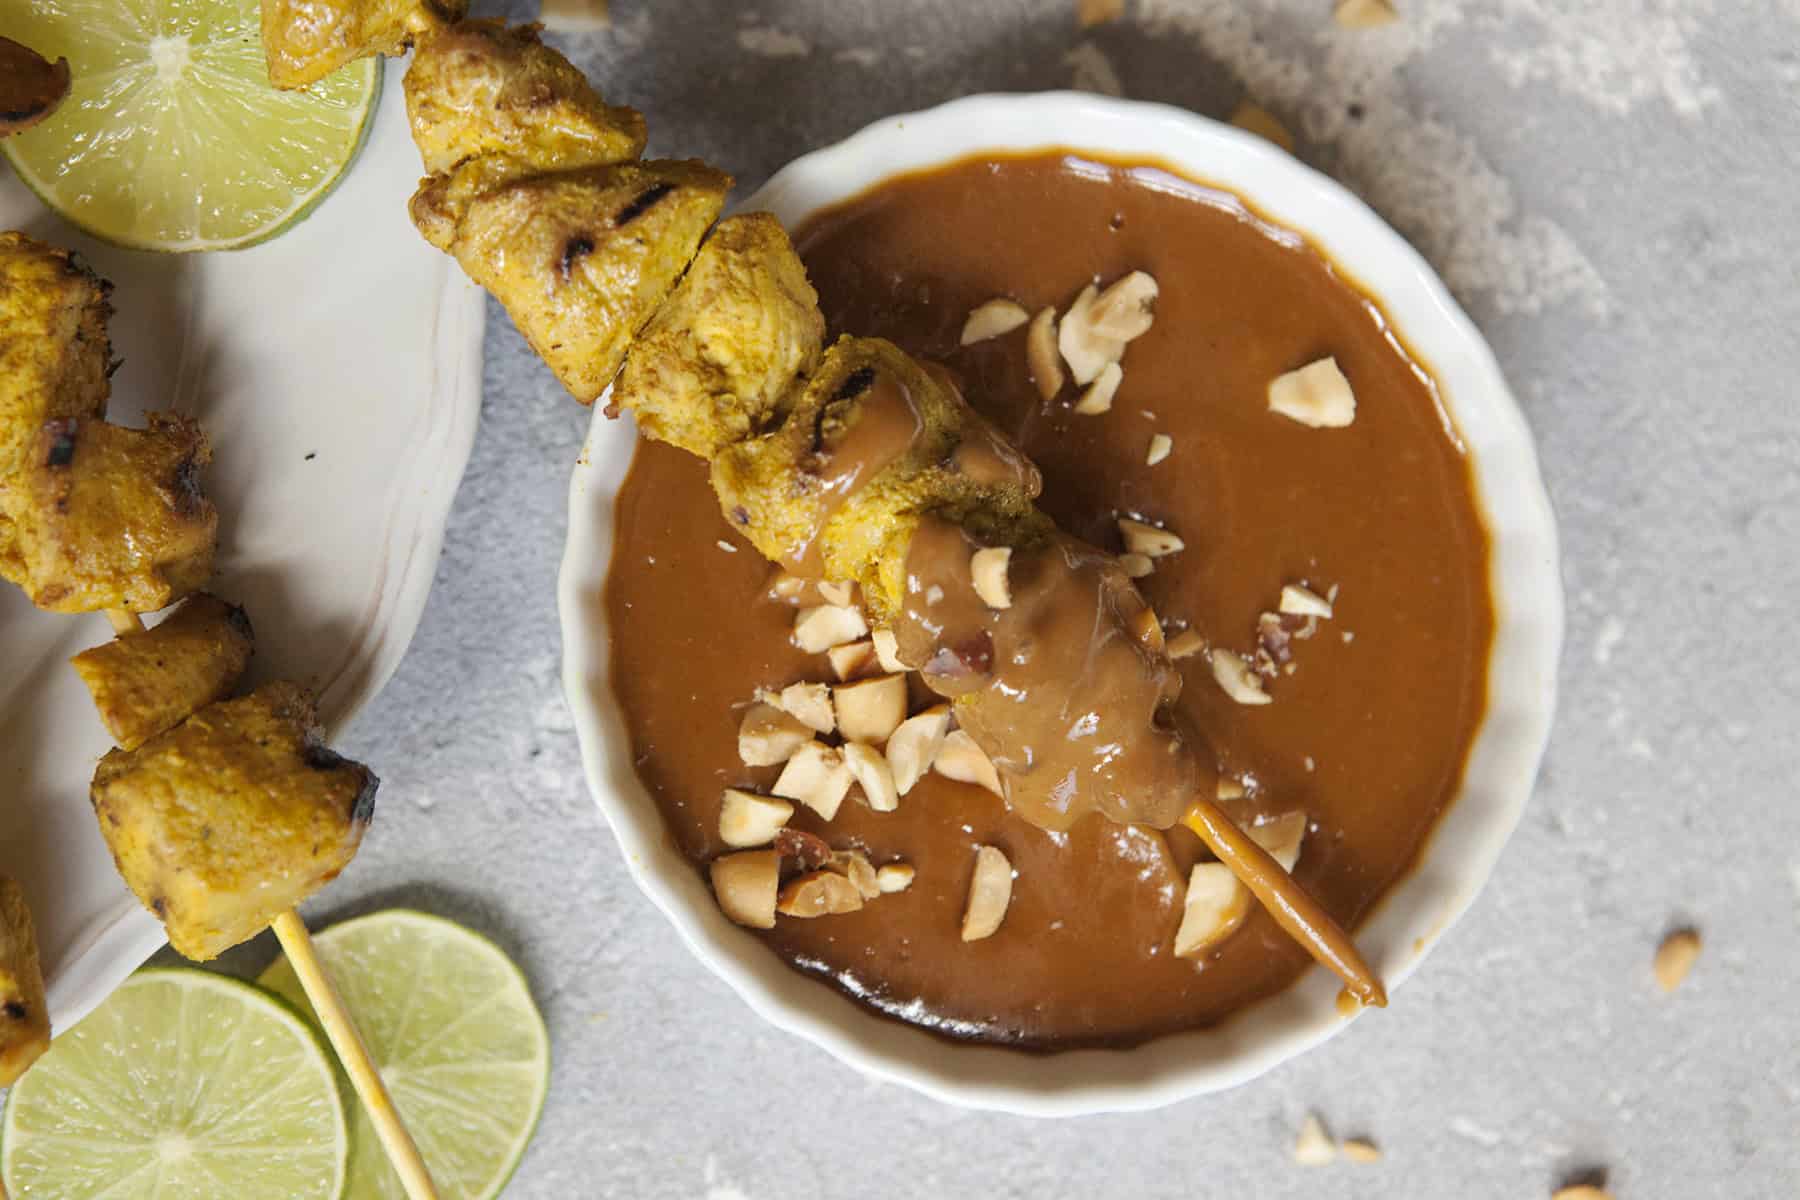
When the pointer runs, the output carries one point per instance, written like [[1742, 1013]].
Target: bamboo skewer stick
[[340, 1028], [402, 1151], [1295, 911]]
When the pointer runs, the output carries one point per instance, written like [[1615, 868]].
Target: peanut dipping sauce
[[1367, 735]]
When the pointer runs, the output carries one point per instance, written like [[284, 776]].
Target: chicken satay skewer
[[532, 183], [340, 1027], [592, 250], [288, 813]]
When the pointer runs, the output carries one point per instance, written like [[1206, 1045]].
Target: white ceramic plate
[[1504, 759], [337, 370]]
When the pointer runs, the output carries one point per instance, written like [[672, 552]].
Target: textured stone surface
[[1609, 187]]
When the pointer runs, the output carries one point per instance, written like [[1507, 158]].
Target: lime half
[[172, 137], [183, 1083], [450, 1023]]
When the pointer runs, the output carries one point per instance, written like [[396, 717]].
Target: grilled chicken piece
[[582, 259], [54, 355], [852, 429], [31, 86], [109, 517], [24, 1017], [147, 683], [233, 817], [306, 40], [713, 364], [483, 88]]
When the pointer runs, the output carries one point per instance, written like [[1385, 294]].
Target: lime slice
[[171, 137], [183, 1083], [450, 1023]]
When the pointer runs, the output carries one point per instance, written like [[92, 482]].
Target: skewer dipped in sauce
[[1366, 736], [605, 261]]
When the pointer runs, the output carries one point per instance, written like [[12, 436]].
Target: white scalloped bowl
[[1502, 764]]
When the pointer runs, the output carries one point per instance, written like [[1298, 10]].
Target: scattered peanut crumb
[[823, 626], [887, 651], [1150, 540], [1126, 310], [747, 820], [1089, 13], [1041, 354], [991, 320], [1317, 394], [1254, 118], [1675, 958], [962, 760], [990, 890], [1098, 397], [914, 746], [1303, 602], [870, 709], [894, 877], [727, 547], [1364, 14], [1313, 1147], [819, 894], [1360, 1150], [1086, 352], [1137, 566], [1160, 445], [1240, 681], [987, 568], [1186, 644]]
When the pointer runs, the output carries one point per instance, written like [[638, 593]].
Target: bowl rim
[[1499, 776]]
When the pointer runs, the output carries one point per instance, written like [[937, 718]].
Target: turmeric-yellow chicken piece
[[743, 324], [232, 817], [482, 87], [109, 517], [54, 355], [581, 259], [24, 1017], [306, 40], [775, 490], [146, 683]]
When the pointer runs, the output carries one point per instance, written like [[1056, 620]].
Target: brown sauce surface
[[1367, 736]]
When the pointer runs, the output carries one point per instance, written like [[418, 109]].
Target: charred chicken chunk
[[306, 40], [874, 441], [233, 817], [715, 361], [31, 86], [483, 88], [109, 517], [582, 259], [147, 683], [24, 1017], [54, 355]]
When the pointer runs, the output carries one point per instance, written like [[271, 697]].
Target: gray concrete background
[[1609, 187]]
